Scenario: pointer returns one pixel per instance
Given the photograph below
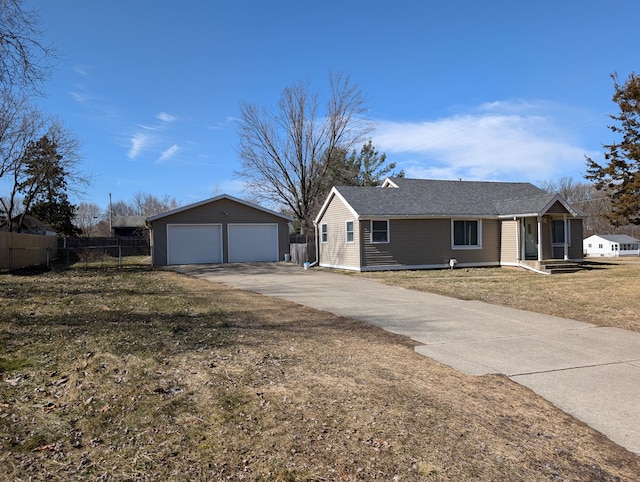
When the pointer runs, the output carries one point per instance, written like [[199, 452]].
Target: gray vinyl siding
[[509, 241], [336, 251], [557, 208], [223, 211], [427, 243], [575, 250]]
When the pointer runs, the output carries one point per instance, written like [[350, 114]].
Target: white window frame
[[324, 233], [388, 232], [466, 246], [347, 232]]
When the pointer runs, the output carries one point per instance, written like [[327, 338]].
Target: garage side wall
[[223, 212]]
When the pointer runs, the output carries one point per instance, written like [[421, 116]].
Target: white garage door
[[253, 242], [194, 243]]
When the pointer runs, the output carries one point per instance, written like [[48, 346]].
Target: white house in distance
[[611, 245]]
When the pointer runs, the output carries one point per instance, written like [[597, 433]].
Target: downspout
[[315, 239]]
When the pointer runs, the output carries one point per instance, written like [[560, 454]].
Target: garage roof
[[214, 199]]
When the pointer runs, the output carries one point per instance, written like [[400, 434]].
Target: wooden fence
[[302, 252], [19, 250]]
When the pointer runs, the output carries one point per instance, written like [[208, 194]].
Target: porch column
[[566, 237], [539, 238]]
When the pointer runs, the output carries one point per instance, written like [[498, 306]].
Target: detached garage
[[222, 229]]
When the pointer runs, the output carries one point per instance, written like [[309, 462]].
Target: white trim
[[346, 231], [371, 231], [323, 233], [389, 183], [339, 266], [401, 267], [464, 246], [333, 193]]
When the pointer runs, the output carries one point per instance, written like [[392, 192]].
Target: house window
[[379, 231], [466, 233], [557, 231], [600, 246], [349, 232], [324, 232]]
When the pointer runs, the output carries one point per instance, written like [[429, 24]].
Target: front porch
[[551, 266]]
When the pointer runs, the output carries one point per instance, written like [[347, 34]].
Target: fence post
[[10, 258]]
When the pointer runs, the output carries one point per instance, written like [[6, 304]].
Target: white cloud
[[139, 142], [169, 153], [164, 117], [525, 141]]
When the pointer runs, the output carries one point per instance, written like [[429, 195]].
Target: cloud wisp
[[148, 136], [139, 143], [497, 141], [168, 154]]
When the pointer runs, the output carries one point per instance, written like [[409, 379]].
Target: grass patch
[[137, 374], [605, 294]]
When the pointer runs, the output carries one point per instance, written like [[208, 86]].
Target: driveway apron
[[591, 372]]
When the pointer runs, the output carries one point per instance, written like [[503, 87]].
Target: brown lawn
[[135, 374]]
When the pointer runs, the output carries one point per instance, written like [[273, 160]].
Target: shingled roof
[[422, 197]]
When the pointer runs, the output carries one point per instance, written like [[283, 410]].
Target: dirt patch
[[145, 375]]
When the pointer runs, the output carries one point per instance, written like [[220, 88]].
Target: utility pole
[[110, 215]]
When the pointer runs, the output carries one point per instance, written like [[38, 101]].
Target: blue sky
[[494, 90]]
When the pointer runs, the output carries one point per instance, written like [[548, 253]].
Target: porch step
[[560, 267]]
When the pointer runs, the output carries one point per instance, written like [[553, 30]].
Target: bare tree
[[591, 203], [149, 205], [88, 215], [25, 62], [285, 151]]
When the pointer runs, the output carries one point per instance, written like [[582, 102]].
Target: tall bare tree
[[285, 150], [148, 204], [25, 61], [88, 215], [592, 204]]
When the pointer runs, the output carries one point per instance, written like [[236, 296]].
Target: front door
[[531, 238]]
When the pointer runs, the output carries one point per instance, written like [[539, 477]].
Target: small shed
[[129, 226], [222, 229], [611, 245]]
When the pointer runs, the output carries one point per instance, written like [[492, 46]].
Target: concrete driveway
[[590, 372]]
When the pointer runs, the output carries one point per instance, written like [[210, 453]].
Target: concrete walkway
[[593, 373]]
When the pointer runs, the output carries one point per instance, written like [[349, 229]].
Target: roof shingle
[[422, 197]]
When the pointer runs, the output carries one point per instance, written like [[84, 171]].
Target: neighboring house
[[422, 224], [611, 245], [129, 226], [30, 225], [222, 229]]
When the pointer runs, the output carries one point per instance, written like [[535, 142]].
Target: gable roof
[[212, 200], [128, 221], [616, 238], [423, 197]]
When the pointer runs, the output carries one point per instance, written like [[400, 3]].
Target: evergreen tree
[[619, 178], [45, 187], [367, 168]]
